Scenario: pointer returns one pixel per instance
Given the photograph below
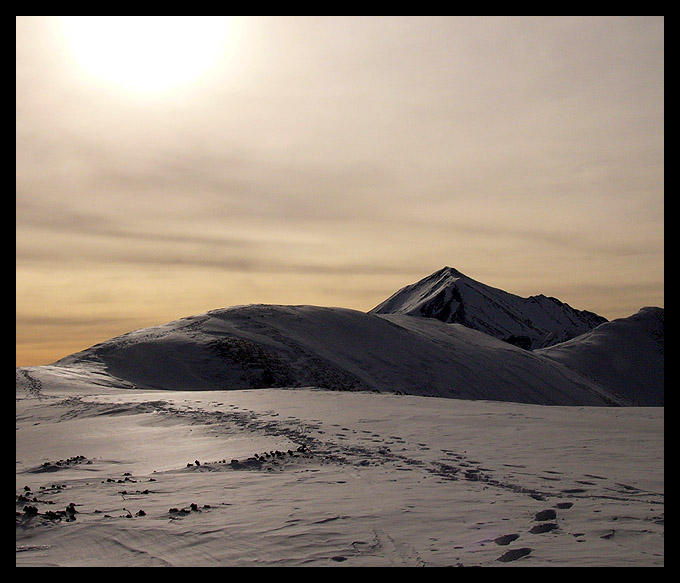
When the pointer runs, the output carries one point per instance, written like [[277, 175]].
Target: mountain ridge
[[257, 346], [268, 345]]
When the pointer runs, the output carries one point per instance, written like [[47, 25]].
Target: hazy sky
[[331, 161]]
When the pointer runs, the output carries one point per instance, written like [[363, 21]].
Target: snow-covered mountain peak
[[446, 270], [453, 297]]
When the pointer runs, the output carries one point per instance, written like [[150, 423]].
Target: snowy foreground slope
[[305, 477], [450, 296]]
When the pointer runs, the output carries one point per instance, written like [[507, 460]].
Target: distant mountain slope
[[287, 346], [626, 356], [450, 296]]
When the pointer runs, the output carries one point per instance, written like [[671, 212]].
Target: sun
[[147, 53]]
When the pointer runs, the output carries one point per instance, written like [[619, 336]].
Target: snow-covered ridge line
[[265, 346], [262, 346]]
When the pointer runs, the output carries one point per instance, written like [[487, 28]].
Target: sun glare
[[147, 53]]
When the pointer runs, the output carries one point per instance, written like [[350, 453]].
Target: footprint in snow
[[506, 539], [514, 554], [543, 528], [543, 515]]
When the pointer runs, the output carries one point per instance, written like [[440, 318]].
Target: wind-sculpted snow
[[260, 346], [450, 296], [286, 477]]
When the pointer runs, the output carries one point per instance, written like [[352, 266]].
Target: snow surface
[[450, 296], [383, 479]]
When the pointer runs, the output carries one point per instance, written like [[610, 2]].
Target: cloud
[[382, 147]]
